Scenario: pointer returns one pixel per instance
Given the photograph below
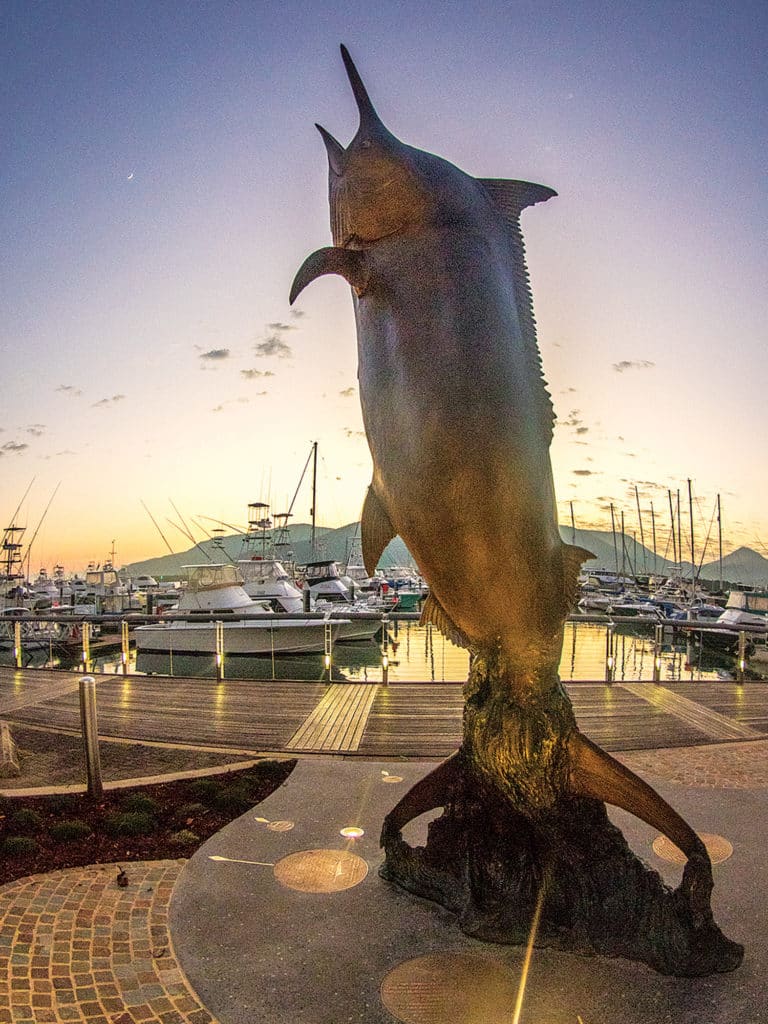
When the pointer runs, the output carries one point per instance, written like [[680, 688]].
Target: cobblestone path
[[76, 947]]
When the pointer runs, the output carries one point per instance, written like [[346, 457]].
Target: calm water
[[418, 653]]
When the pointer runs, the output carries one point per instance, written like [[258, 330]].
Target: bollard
[[609, 654], [219, 626], [17, 650], [125, 645], [657, 643], [91, 737]]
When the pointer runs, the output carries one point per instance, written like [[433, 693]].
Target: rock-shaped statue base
[[490, 863]]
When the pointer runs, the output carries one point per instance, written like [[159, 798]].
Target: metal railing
[[71, 641]]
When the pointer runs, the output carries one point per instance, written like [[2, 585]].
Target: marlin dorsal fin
[[509, 198]]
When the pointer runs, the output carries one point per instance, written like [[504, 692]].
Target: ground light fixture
[[352, 832]]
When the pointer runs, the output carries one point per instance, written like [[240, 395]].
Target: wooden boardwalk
[[372, 720]]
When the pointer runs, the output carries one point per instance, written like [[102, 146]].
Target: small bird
[[122, 878]]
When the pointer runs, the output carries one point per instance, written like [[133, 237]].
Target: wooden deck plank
[[410, 719], [715, 725]]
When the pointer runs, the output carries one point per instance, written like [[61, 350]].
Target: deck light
[[327, 661], [352, 832]]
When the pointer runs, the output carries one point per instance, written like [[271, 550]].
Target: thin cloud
[[347, 392], [254, 374], [348, 432], [297, 314], [583, 472], [69, 389], [278, 327], [215, 354], [273, 345], [14, 447], [632, 364], [107, 401], [36, 429]]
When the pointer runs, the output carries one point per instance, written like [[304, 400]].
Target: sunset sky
[[162, 181]]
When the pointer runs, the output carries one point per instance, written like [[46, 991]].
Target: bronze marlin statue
[[459, 424]]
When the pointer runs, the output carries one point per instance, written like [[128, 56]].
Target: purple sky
[[162, 181]]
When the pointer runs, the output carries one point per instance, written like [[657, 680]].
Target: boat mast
[[672, 519], [694, 570], [680, 534], [720, 541], [314, 494], [615, 549], [653, 529], [642, 537]]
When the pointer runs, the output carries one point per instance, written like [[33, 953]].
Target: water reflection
[[418, 653]]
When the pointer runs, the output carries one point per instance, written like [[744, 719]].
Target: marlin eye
[[366, 143]]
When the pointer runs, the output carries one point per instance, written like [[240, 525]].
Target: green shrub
[[70, 830], [141, 802], [17, 846], [64, 803], [206, 790], [130, 823], [233, 798], [25, 820], [193, 810], [185, 838]]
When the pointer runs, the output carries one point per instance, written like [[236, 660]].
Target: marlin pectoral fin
[[430, 792], [349, 263], [595, 774], [511, 197], [434, 612], [573, 558], [376, 530]]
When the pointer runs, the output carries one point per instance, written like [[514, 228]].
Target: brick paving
[[715, 766], [75, 947]]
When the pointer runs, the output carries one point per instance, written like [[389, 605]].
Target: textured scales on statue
[[458, 418]]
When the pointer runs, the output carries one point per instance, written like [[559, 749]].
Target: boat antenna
[[672, 520], [220, 522], [189, 537], [18, 507], [157, 527], [213, 541], [42, 517]]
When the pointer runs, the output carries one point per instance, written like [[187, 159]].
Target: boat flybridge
[[217, 590]]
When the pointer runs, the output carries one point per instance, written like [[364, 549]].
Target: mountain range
[[742, 566]]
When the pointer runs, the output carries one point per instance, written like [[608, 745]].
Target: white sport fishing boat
[[266, 580], [218, 591]]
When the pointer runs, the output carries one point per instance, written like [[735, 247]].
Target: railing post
[[742, 662], [17, 650], [610, 658], [328, 655], [86, 647], [91, 737], [385, 651], [219, 626], [657, 644], [125, 646]]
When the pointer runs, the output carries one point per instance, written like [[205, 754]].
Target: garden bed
[[157, 822]]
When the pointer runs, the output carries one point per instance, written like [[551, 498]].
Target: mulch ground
[[157, 822], [49, 758]]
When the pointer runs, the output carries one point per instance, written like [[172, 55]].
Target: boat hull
[[239, 637]]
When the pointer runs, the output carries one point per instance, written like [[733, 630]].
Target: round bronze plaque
[[719, 849], [280, 826], [392, 778], [321, 870], [450, 988]]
